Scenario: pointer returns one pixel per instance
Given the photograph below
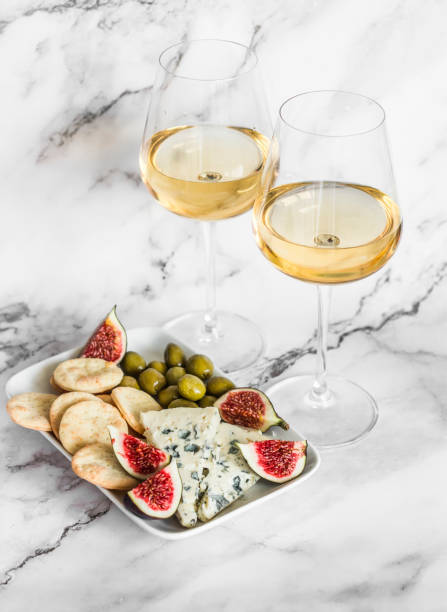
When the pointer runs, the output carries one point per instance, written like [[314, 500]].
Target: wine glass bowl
[[228, 185], [328, 214], [331, 248]]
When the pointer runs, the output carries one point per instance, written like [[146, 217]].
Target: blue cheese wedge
[[187, 435], [229, 474]]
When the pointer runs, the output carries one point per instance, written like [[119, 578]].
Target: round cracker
[[86, 374], [55, 387], [31, 410], [86, 423], [60, 405], [131, 403], [105, 397], [97, 464]]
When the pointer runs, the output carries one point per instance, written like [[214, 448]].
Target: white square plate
[[150, 342]]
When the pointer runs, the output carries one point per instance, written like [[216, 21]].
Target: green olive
[[174, 374], [207, 400], [158, 365], [191, 387], [174, 355], [129, 381], [152, 381], [200, 365], [167, 395], [182, 403], [132, 363], [218, 385]]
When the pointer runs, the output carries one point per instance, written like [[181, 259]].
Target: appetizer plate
[[150, 342]]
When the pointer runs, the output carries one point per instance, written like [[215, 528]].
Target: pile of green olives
[[177, 380]]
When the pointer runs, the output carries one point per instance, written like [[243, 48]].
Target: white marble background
[[80, 232]]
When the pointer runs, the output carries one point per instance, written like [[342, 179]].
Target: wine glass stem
[[209, 329], [320, 392]]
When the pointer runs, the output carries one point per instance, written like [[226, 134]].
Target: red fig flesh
[[276, 460], [248, 408], [139, 459], [109, 340], [159, 495]]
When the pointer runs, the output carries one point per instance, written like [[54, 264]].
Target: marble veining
[[80, 233]]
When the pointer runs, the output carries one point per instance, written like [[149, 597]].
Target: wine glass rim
[[250, 50], [333, 91]]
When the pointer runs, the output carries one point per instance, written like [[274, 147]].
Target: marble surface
[[79, 232]]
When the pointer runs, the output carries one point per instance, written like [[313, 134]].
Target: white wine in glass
[[202, 156], [328, 214], [326, 232], [173, 170]]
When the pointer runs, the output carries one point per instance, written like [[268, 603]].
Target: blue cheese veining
[[229, 475], [187, 435]]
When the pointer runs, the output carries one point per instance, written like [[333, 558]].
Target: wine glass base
[[237, 343], [345, 418]]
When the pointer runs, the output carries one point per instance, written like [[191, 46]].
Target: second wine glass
[[202, 156], [328, 215]]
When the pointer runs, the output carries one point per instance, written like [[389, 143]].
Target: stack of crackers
[[88, 401]]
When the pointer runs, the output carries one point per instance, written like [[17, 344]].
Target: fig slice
[[138, 458], [159, 495], [275, 460], [250, 408], [108, 341]]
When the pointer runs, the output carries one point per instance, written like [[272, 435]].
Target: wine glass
[[204, 145], [328, 215]]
